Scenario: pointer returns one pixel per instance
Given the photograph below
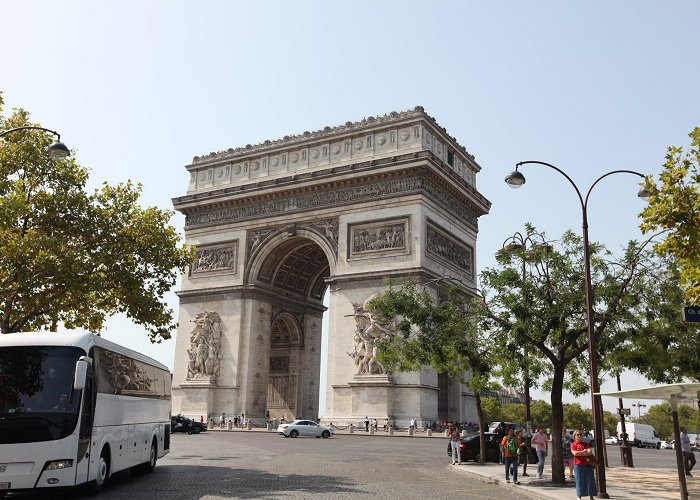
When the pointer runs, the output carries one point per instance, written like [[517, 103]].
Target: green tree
[[576, 417], [73, 258], [491, 409], [545, 309], [541, 413], [513, 412], [674, 206], [436, 332], [659, 416]]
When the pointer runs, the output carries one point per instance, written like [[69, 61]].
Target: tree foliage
[[674, 206], [73, 258], [659, 416]]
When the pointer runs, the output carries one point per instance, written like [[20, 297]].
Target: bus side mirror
[[81, 367]]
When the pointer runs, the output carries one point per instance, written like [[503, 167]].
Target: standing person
[[540, 442], [222, 420], [201, 419], [386, 423], [567, 457], [583, 466], [523, 452], [366, 424], [510, 445], [375, 424], [413, 424], [454, 444], [500, 432], [688, 455]]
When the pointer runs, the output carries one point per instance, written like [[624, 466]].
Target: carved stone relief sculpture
[[368, 330], [205, 347], [215, 259]]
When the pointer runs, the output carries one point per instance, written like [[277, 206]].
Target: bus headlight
[[59, 464]]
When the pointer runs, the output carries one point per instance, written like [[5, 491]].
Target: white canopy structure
[[674, 393]]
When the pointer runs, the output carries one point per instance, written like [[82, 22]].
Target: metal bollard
[[430, 432], [391, 431], [352, 429], [230, 425], [371, 430], [250, 425]]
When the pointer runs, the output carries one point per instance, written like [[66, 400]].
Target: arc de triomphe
[[277, 224]]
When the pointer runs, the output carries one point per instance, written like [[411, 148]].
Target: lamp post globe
[[515, 179], [58, 151]]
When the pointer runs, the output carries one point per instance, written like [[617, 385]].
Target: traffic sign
[[624, 411], [691, 314]]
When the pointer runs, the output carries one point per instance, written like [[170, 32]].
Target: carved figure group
[[367, 332], [211, 260], [205, 347], [380, 238]]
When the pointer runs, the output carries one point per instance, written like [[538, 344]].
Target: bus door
[[87, 414]]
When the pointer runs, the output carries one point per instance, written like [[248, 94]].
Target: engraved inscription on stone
[[379, 237], [450, 250], [219, 258]]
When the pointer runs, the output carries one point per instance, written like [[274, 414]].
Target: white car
[[666, 445], [612, 440], [298, 428]]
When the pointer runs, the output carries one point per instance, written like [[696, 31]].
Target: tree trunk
[[557, 424], [482, 426]]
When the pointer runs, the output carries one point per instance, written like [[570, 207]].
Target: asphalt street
[[248, 464]]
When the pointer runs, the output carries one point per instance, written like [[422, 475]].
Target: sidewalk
[[622, 483]]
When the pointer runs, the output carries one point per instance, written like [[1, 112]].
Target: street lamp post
[[639, 405], [57, 150], [516, 179], [518, 242]]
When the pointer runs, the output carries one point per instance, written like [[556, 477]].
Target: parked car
[[666, 445], [469, 448], [304, 428], [516, 427], [179, 423], [612, 440]]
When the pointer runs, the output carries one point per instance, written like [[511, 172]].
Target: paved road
[[644, 457], [217, 465]]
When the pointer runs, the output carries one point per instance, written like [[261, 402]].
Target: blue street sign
[[691, 314]]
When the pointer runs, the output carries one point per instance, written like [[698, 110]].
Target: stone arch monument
[[276, 225]]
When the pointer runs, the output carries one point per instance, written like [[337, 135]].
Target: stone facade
[[279, 223]]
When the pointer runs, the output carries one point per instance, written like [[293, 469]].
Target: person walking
[[584, 462], [540, 441], [500, 432], [688, 455], [567, 457], [366, 424], [453, 435], [222, 420], [523, 452], [510, 446]]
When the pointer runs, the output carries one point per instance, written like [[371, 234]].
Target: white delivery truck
[[640, 435]]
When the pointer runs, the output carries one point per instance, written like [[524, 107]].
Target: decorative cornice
[[328, 132]]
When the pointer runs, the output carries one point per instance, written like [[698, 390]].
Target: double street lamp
[[519, 244], [516, 179], [639, 405], [56, 151]]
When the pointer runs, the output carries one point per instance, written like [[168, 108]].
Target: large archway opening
[[293, 272]]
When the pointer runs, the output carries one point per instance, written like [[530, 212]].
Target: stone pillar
[[371, 429], [430, 432], [250, 425], [352, 429], [391, 431], [230, 425]]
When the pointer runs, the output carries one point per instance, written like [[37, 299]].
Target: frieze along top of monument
[[394, 135], [326, 132]]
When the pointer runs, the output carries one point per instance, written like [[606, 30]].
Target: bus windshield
[[37, 401]]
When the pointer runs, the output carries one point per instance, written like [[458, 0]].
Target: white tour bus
[[75, 408]]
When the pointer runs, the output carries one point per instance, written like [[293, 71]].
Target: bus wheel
[[102, 471], [152, 458]]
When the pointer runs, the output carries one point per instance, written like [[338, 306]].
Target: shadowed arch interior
[[299, 266]]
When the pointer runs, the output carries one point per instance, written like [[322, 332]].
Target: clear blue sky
[[139, 88]]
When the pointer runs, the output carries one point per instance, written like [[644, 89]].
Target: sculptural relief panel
[[205, 347], [219, 258], [379, 238], [446, 249], [368, 332]]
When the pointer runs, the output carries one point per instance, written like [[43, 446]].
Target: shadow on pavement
[[176, 482]]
